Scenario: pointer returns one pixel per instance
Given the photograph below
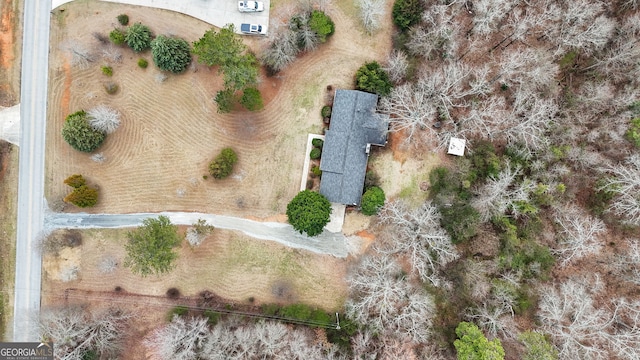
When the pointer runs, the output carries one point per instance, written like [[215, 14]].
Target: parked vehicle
[[253, 29], [250, 6]]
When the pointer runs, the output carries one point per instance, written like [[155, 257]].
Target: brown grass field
[[170, 131]]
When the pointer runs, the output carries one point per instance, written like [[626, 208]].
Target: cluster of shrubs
[[78, 132], [316, 152], [222, 165], [82, 195], [371, 77], [169, 53]]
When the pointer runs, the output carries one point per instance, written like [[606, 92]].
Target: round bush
[[107, 70], [317, 143], [143, 63], [222, 165], [123, 19], [326, 111], [315, 153], [138, 37], [171, 54], [372, 200], [371, 77], [78, 133], [117, 36], [309, 212]]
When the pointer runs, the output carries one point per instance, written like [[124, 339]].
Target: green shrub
[[321, 24], [123, 19], [224, 99], [309, 212], [472, 344], [212, 316], [326, 111], [407, 13], [170, 53], [143, 63], [461, 221], [635, 107], [315, 170], [306, 313], [83, 196], [77, 132], [372, 200], [90, 355], [371, 77], [600, 197], [75, 181], [222, 165], [633, 133], [111, 88], [117, 36], [317, 143], [484, 161], [179, 311], [107, 70], [342, 336], [138, 37], [315, 153], [270, 309], [251, 99]]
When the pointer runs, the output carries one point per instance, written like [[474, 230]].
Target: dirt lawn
[[170, 131], [227, 263]]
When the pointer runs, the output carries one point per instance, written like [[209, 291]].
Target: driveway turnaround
[[33, 109], [335, 244], [215, 12]]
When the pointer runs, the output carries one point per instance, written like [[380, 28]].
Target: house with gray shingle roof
[[353, 129]]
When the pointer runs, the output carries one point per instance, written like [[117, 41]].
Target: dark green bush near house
[[77, 132], [407, 13], [170, 53], [315, 170], [309, 212], [111, 88], [315, 153], [371, 77], [222, 165], [321, 24], [138, 37], [317, 143], [372, 200], [117, 36], [143, 63], [107, 70], [251, 99], [123, 19], [326, 111]]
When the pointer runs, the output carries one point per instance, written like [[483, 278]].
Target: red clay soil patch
[[398, 146], [6, 34]]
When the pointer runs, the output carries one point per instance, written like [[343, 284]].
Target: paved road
[[33, 113], [335, 244]]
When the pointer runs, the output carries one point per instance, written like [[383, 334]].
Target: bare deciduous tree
[[502, 193], [417, 234], [397, 66], [98, 157], [625, 183], [181, 339], [578, 233], [103, 118], [282, 50], [371, 12], [582, 328], [579, 24], [383, 299], [198, 232], [76, 331], [488, 14], [79, 55]]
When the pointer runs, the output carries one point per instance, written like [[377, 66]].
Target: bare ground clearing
[[157, 158], [227, 263]]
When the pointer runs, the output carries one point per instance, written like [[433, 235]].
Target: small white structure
[[456, 146]]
